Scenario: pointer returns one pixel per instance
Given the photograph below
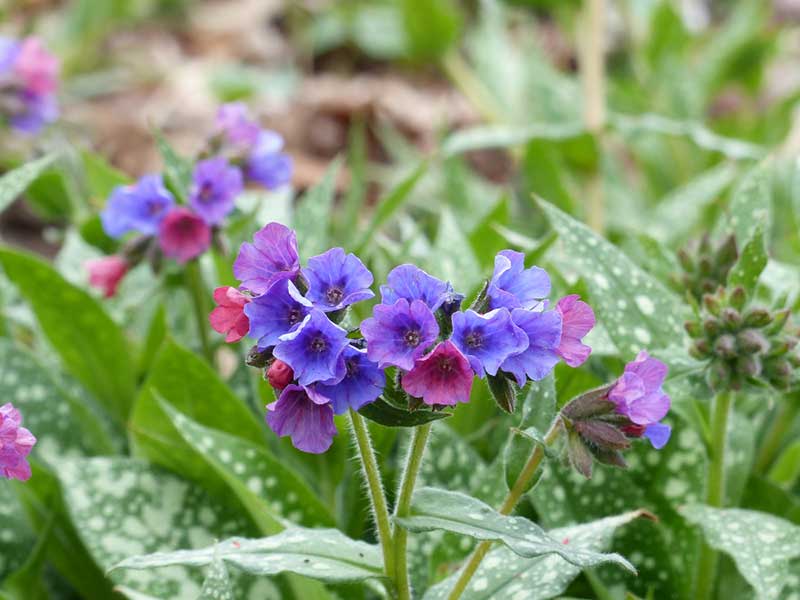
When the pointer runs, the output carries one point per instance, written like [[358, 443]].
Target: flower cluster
[[239, 151], [28, 84], [704, 267], [16, 443], [602, 422], [418, 330]]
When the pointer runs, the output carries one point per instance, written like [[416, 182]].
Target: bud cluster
[[744, 344], [705, 267]]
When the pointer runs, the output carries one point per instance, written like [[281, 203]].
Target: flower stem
[[372, 475], [715, 491], [403, 508], [781, 423], [511, 500], [196, 289]]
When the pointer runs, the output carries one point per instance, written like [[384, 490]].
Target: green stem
[[715, 491], [511, 500], [196, 289], [403, 508], [781, 424], [372, 475]]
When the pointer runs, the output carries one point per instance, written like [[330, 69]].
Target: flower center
[[446, 365], [293, 317], [412, 338], [318, 344], [334, 295], [474, 339], [206, 192], [352, 368]]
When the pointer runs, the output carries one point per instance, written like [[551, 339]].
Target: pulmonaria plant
[[16, 443], [181, 222], [28, 84]]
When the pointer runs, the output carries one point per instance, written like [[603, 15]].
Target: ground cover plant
[[378, 299]]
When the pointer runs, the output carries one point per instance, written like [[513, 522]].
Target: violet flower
[[298, 415], [514, 286], [314, 350], [399, 333], [337, 280], [487, 340], [271, 256]]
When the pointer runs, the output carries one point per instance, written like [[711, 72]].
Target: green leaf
[[636, 309], [388, 415], [751, 262], [452, 258], [311, 217], [324, 554], [101, 177], [431, 28], [786, 470], [13, 183], [765, 548], [504, 575], [51, 194], [217, 585], [177, 169], [388, 205], [17, 537], [504, 136], [92, 347], [432, 508], [751, 204]]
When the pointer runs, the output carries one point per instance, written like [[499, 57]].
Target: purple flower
[[234, 122], [28, 78], [314, 350], [363, 383], [543, 331], [215, 185], [296, 414], [140, 207], [487, 340], [34, 112], [336, 280], [412, 283], [442, 377], [183, 235], [266, 164], [638, 395], [398, 334], [514, 286], [578, 319], [271, 256], [276, 312], [16, 443]]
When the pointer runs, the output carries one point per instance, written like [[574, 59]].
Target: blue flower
[[363, 383], [336, 280], [314, 350], [543, 330], [215, 185], [276, 312], [266, 164], [399, 333], [487, 340], [307, 422], [514, 286], [272, 256], [140, 207], [412, 283]]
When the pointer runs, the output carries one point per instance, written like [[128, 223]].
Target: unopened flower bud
[[279, 374], [712, 326], [725, 346], [686, 260], [700, 349], [738, 298], [780, 372], [752, 341], [757, 317], [719, 376], [779, 319], [726, 254], [712, 304], [705, 266], [634, 430], [603, 435], [749, 366], [731, 317], [693, 328]]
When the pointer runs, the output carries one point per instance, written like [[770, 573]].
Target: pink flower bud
[[228, 317], [106, 273], [279, 374]]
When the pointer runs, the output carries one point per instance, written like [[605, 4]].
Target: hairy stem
[[377, 497], [194, 285], [781, 424], [403, 507], [511, 500], [715, 491]]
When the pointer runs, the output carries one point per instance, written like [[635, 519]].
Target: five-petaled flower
[[16, 443], [229, 316], [443, 377]]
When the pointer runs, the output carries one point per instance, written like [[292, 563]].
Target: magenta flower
[[16, 443], [183, 235], [412, 283], [106, 273], [309, 424], [271, 256], [578, 319], [314, 350], [363, 383], [229, 316], [442, 377], [276, 312], [235, 124], [514, 286], [398, 334], [36, 67], [638, 395], [543, 332], [336, 280], [215, 185], [487, 340]]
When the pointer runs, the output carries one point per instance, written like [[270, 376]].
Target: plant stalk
[[194, 284], [403, 508], [372, 475], [511, 500], [781, 424], [715, 491]]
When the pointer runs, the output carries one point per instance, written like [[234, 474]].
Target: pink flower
[[106, 273], [183, 235], [279, 374], [15, 444], [442, 377], [37, 68], [228, 317], [577, 320]]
